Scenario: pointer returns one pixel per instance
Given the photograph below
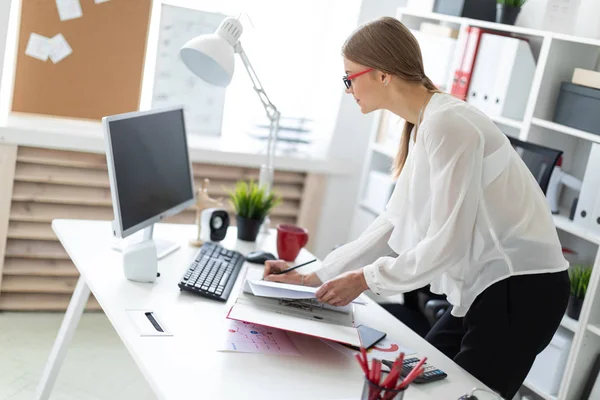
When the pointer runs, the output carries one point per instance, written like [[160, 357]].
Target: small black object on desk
[[259, 257]]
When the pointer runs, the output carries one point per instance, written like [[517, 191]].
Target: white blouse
[[465, 213]]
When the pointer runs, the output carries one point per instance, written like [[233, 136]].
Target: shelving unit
[[567, 130], [595, 329], [369, 209], [387, 151], [570, 324], [507, 121], [538, 391], [556, 56]]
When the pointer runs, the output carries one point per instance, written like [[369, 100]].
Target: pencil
[[293, 268]]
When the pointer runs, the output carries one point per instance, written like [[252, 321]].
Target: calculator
[[430, 373]]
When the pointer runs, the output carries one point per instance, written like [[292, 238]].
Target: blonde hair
[[387, 45]]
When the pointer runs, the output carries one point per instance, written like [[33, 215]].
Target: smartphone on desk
[[369, 337]]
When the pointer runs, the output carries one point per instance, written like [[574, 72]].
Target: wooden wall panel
[[41, 302], [50, 184], [8, 159]]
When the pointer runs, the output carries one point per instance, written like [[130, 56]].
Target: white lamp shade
[[209, 57]]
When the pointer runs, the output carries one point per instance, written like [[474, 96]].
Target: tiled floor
[[97, 365]]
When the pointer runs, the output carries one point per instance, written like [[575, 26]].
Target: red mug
[[290, 240]]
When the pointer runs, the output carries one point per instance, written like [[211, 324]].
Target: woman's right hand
[[292, 277]]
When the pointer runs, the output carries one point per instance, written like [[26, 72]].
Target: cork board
[[102, 76]]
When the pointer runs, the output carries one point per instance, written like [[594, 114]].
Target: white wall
[[587, 20], [350, 141], [4, 13]]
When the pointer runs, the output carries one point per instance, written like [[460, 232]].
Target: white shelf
[[577, 39], [569, 323], [500, 27], [386, 150], [507, 121], [369, 209], [538, 391], [567, 130], [594, 329], [475, 22], [565, 224]]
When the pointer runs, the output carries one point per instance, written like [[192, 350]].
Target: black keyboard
[[212, 274]]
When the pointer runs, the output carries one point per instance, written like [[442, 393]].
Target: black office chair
[[422, 309], [539, 159]]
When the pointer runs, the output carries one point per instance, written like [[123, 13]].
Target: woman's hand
[[293, 277], [342, 290]]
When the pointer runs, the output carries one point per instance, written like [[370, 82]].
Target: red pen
[[374, 394], [373, 370], [416, 371], [408, 381], [399, 366], [390, 380], [362, 364], [364, 355]]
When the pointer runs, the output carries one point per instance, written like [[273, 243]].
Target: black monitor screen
[[151, 165]]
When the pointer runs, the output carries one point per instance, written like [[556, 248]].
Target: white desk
[[188, 365]]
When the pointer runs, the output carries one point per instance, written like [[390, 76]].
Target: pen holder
[[372, 391]]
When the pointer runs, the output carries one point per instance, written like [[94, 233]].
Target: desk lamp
[[210, 57]]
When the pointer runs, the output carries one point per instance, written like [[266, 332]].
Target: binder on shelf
[[462, 76], [438, 52], [438, 30], [587, 214], [586, 77], [502, 76]]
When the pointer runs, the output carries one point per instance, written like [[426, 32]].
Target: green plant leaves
[[251, 201], [580, 278], [512, 3]]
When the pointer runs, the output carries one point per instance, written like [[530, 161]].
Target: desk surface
[[188, 365]]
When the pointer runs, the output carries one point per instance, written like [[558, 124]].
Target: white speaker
[[140, 263], [214, 223]]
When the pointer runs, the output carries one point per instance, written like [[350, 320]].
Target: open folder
[[296, 314]]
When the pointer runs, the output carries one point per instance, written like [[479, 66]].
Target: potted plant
[[507, 11], [251, 205], [580, 278]]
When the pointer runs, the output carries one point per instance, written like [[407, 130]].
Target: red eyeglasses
[[348, 78]]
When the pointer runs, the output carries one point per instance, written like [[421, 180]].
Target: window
[[295, 49]]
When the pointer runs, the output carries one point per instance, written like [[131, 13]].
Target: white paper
[[386, 349], [100, 1], [59, 48], [38, 47], [68, 9], [286, 291], [245, 337], [281, 290]]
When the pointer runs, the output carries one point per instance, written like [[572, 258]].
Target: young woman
[[466, 216]]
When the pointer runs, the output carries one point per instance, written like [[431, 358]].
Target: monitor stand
[[163, 247]]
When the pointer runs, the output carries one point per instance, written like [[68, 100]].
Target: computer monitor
[[149, 169]]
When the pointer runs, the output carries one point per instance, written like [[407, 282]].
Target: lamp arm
[[266, 176]]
